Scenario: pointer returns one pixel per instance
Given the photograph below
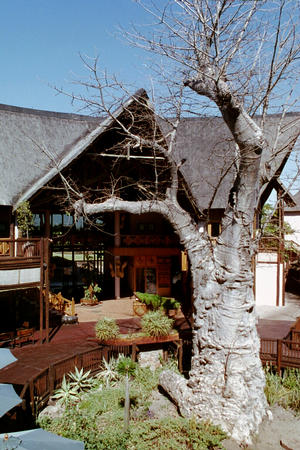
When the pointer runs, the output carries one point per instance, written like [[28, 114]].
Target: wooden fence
[[281, 353]]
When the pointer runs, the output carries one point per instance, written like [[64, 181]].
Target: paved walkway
[[275, 322], [71, 339]]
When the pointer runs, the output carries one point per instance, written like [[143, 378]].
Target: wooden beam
[[145, 251]]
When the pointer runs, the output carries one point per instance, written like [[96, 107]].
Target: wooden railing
[[20, 248], [38, 389], [281, 353]]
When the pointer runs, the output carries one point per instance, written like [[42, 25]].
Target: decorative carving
[[118, 270]]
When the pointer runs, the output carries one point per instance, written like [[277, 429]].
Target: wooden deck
[[72, 339], [69, 340]]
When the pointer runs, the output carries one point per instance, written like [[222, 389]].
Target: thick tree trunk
[[226, 382]]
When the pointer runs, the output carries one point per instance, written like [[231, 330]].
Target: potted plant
[[171, 306], [90, 297], [152, 302]]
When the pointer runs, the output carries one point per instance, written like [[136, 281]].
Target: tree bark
[[226, 381]]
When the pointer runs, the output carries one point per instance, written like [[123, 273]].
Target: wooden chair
[[4, 249], [62, 304]]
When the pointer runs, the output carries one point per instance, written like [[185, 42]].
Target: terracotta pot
[[88, 302], [139, 308]]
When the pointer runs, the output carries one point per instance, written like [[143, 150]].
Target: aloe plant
[[81, 380], [109, 372], [67, 393]]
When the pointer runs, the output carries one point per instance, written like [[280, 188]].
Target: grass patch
[[283, 390]]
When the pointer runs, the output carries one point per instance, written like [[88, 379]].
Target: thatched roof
[[33, 144], [296, 208], [208, 148]]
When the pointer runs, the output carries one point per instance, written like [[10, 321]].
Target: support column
[[42, 287], [47, 224], [46, 281], [117, 242], [281, 248]]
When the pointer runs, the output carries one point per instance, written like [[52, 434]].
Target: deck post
[[117, 242], [46, 279], [31, 390], [51, 375], [279, 354], [134, 350], [41, 290]]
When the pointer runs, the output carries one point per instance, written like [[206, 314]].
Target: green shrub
[[105, 432], [74, 425], [25, 218], [155, 323], [155, 301], [107, 328], [174, 434]]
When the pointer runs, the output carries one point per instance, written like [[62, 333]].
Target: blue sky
[[41, 41]]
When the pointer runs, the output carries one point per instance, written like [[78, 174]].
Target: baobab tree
[[242, 58]]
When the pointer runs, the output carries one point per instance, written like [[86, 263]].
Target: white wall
[[266, 280], [293, 219], [19, 276]]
